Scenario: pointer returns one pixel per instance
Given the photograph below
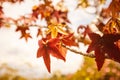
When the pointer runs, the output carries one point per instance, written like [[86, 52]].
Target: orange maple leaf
[[24, 33], [53, 47], [114, 8], [22, 29], [26, 36], [43, 9], [39, 32], [112, 26]]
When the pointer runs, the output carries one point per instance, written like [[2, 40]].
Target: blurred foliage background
[[110, 71]]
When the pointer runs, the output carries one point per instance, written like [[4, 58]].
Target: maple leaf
[[35, 11], [22, 29], [54, 29], [1, 10], [114, 8], [43, 9], [39, 32], [1, 16], [26, 36], [69, 40], [112, 26], [103, 45], [47, 2], [100, 26], [24, 33], [53, 47], [83, 31], [87, 31], [61, 16], [1, 22], [104, 13]]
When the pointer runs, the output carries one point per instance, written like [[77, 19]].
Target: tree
[[57, 37]]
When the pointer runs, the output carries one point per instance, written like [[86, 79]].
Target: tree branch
[[78, 52], [81, 53]]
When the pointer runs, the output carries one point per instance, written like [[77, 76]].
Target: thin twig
[[78, 52], [81, 53]]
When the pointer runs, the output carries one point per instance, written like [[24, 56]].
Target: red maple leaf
[[43, 9], [35, 11], [69, 40], [1, 11], [1, 22], [104, 45], [61, 16], [1, 16], [86, 30], [53, 47]]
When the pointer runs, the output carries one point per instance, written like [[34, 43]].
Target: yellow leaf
[[54, 29], [60, 30], [54, 32]]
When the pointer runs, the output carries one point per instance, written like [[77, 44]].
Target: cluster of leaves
[[57, 34], [108, 43]]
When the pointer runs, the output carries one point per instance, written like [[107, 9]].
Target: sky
[[22, 56]]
